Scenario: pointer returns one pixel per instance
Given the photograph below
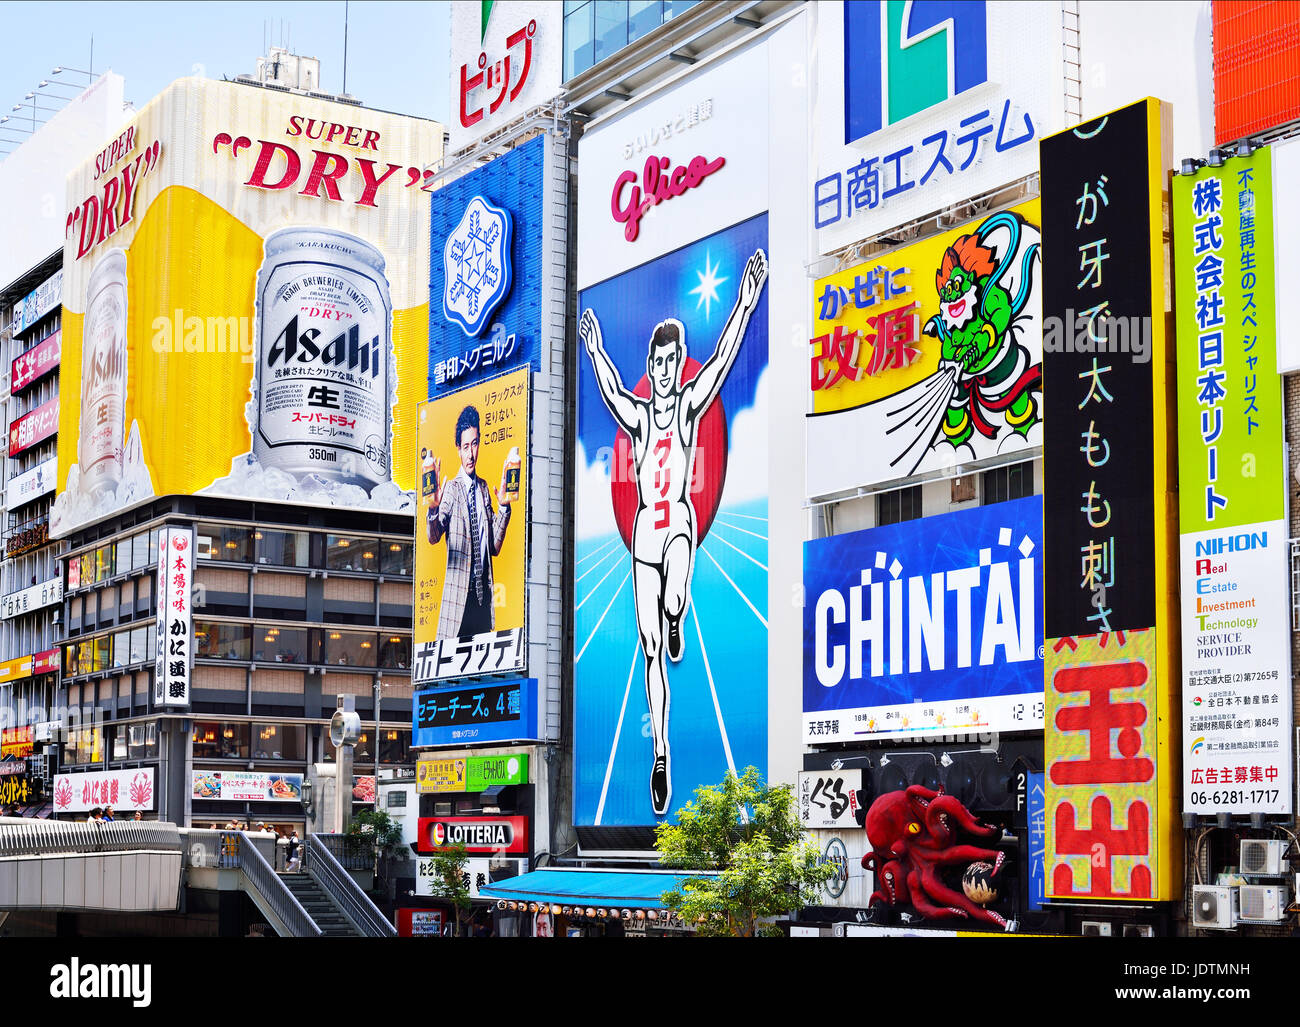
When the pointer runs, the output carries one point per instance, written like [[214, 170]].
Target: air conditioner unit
[[1262, 857], [1096, 929], [1262, 903], [1214, 908], [1139, 931]]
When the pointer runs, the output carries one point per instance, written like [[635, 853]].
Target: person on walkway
[[295, 853]]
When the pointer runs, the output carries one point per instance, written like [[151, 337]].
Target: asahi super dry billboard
[[245, 304]]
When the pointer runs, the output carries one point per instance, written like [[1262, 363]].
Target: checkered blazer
[[451, 519]]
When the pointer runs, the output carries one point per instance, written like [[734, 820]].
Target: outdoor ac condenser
[[1214, 907], [1262, 857], [1262, 903]]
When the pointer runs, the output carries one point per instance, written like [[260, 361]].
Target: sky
[[397, 52]]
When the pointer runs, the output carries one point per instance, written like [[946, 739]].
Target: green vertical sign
[[1229, 392]]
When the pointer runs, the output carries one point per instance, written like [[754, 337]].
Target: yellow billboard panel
[[930, 354], [245, 304], [1109, 802], [471, 530]]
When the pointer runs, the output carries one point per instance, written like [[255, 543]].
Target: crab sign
[[913, 837]]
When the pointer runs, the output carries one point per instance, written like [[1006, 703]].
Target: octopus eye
[[913, 828]]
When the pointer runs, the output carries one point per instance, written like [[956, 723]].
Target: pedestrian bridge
[[125, 865], [136, 866]]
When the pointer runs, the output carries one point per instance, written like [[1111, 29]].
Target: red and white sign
[[121, 789], [504, 67], [36, 362], [175, 654], [34, 427], [17, 741], [477, 834], [46, 662]]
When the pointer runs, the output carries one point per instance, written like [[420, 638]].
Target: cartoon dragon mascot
[[976, 327]]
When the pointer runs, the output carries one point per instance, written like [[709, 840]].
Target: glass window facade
[[218, 740], [899, 505], [279, 741], [224, 542], [283, 645], [345, 553], [1015, 481], [595, 30], [214, 641], [283, 548]]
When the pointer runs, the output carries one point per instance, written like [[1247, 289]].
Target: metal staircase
[[319, 906]]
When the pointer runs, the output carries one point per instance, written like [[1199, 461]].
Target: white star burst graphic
[[707, 290]]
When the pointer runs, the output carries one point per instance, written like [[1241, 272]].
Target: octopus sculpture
[[912, 834]]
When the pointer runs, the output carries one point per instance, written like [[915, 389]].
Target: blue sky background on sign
[[513, 182], [725, 632], [925, 547]]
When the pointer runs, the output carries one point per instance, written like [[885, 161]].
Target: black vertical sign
[[1098, 444]]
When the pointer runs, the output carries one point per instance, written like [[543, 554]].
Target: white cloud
[[595, 509], [747, 461]]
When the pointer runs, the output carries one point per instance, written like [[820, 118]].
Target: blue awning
[[588, 887]]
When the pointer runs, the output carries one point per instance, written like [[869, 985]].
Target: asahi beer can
[[100, 441], [325, 366]]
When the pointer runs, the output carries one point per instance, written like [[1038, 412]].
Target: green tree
[[374, 827], [450, 882], [749, 834]]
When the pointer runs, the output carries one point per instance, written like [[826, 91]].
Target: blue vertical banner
[[486, 270], [670, 642], [1037, 795]]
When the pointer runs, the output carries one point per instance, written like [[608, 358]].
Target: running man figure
[[663, 433]]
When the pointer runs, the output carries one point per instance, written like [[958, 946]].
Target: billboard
[[470, 773], [505, 59], [245, 786], [487, 268], [671, 540], [174, 660], [1109, 514], [471, 526], [924, 104], [927, 627], [35, 426], [1256, 67], [122, 789], [477, 834], [931, 372], [497, 712], [1112, 831], [1105, 448], [34, 363], [244, 304], [1232, 503]]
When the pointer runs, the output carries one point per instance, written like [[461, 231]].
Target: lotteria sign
[[477, 834], [927, 627]]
